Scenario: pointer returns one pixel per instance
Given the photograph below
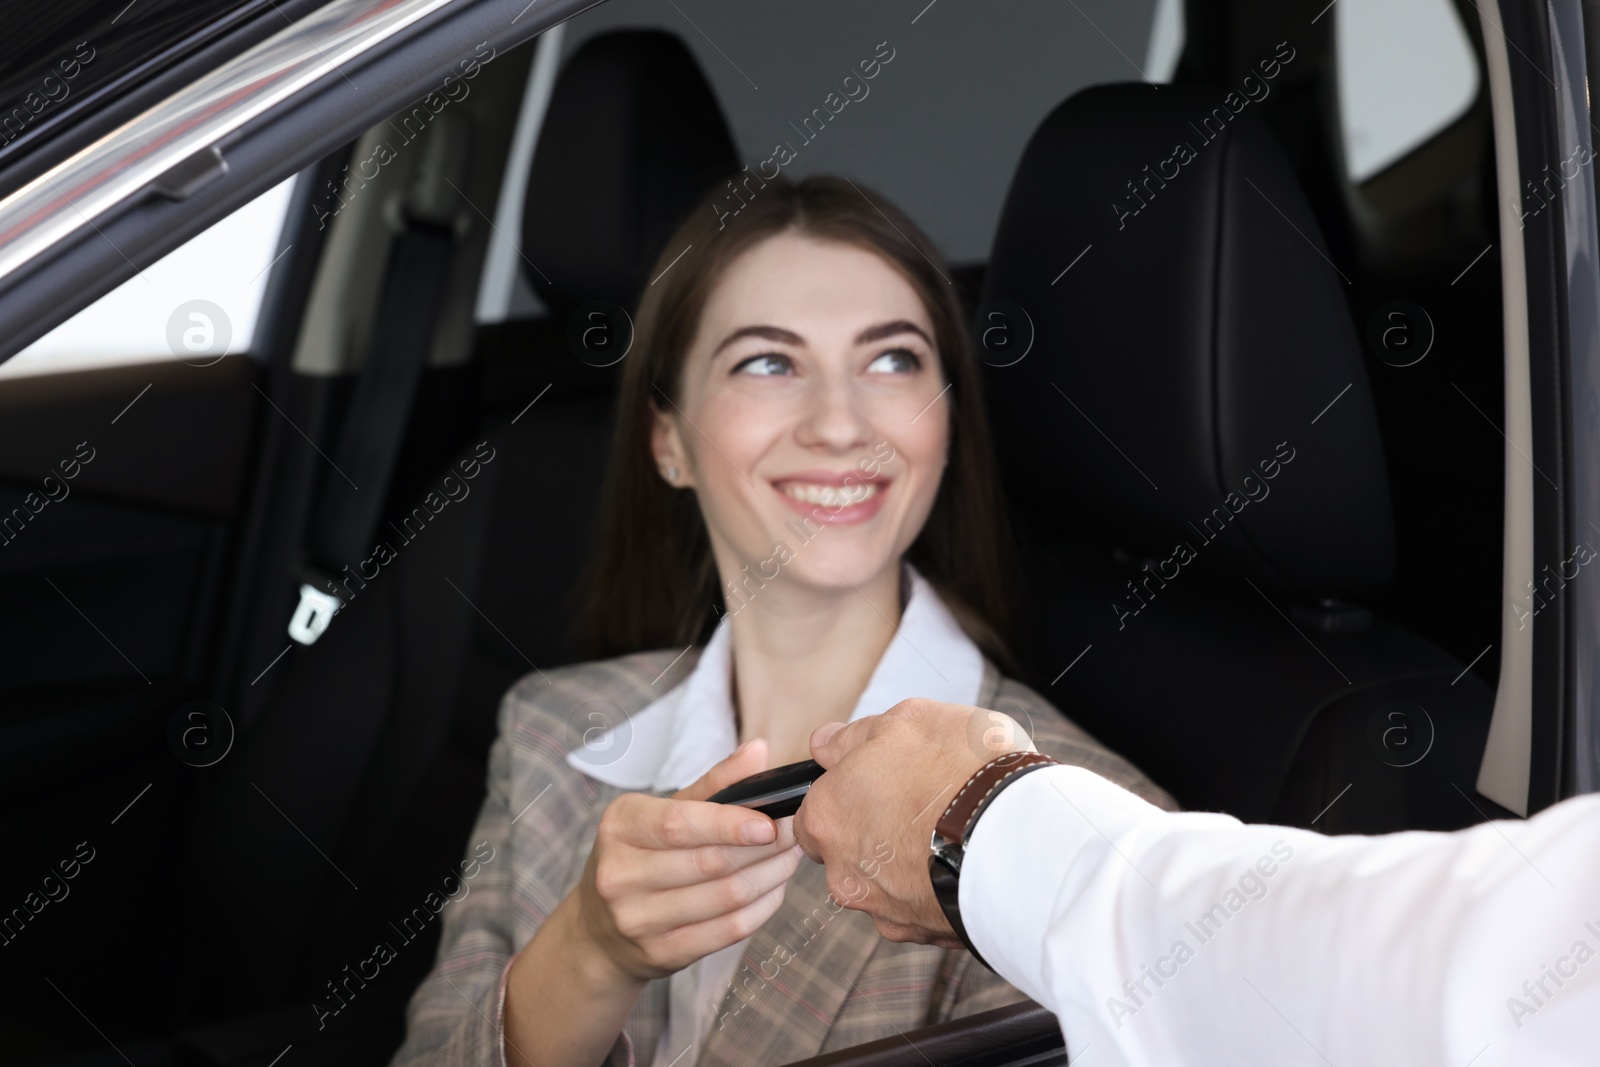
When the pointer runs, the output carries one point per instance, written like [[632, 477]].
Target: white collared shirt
[[1160, 938], [672, 742]]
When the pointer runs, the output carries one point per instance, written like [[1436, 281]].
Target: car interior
[[1196, 365]]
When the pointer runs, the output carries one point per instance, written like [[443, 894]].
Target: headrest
[[1194, 376], [632, 139]]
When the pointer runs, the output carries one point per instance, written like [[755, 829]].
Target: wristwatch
[[950, 832]]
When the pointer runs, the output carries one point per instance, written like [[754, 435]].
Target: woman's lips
[[833, 499]]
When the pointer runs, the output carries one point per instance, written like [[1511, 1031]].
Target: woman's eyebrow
[[770, 333], [889, 329]]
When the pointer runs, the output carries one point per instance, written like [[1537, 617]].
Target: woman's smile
[[833, 498]]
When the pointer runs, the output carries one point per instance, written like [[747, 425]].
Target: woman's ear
[[666, 445]]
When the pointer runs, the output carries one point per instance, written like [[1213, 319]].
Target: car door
[[124, 472], [154, 446], [122, 485]]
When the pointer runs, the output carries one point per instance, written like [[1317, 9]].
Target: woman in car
[[801, 524]]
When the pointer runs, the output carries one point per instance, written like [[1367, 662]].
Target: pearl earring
[[672, 475]]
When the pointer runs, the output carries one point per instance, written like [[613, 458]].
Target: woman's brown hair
[[651, 580]]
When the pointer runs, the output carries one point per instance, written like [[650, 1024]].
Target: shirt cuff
[[1042, 835]]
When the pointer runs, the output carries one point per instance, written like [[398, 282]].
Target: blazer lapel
[[795, 974]]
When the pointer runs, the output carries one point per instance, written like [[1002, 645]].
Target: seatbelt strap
[[350, 501]]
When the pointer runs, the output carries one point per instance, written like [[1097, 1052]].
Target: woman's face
[[811, 421]]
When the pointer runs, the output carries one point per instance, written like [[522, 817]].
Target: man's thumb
[[827, 744]]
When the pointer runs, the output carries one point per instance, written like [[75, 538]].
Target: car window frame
[[289, 136], [1530, 760], [86, 117]]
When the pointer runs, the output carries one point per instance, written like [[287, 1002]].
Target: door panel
[[118, 491]]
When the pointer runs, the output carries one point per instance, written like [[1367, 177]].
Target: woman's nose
[[835, 416]]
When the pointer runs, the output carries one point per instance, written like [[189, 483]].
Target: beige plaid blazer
[[841, 984]]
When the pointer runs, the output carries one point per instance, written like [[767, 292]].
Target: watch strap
[[969, 802]]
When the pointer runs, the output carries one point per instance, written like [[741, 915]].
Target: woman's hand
[[670, 879], [673, 879]]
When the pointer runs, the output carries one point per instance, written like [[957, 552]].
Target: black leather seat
[[375, 742], [1195, 467]]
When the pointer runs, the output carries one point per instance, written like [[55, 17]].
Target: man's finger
[[831, 740], [802, 833]]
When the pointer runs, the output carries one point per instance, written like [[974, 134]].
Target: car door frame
[[107, 249], [1542, 745]]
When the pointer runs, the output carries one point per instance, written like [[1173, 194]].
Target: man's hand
[[889, 778]]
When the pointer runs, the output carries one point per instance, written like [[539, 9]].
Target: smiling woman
[[801, 490], [805, 263]]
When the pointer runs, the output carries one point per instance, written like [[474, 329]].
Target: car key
[[774, 793]]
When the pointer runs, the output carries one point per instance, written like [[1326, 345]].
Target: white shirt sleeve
[[1191, 938]]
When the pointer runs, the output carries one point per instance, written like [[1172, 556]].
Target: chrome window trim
[[83, 187], [1503, 775]]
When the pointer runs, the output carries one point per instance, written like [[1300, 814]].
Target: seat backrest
[[373, 748], [1195, 463], [632, 140]]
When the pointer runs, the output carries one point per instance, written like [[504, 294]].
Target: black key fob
[[773, 793]]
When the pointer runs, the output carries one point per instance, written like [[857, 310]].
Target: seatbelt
[[350, 501]]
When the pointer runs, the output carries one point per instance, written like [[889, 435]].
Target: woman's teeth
[[832, 496]]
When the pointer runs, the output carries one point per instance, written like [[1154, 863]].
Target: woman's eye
[[895, 361], [766, 364]]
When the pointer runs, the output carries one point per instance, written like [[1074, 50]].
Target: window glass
[[1166, 41], [1406, 71], [200, 300]]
